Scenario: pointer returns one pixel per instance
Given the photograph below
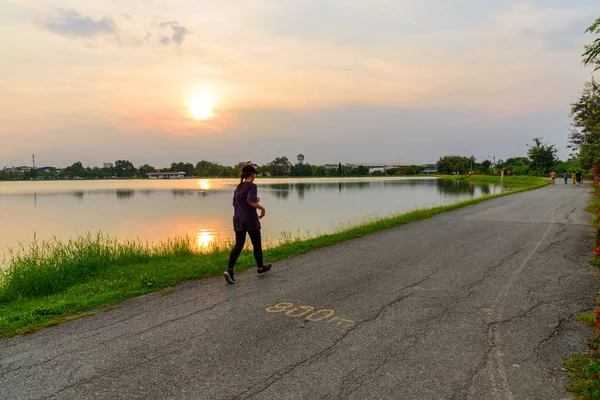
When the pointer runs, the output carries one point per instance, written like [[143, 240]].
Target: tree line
[[585, 133], [125, 169], [541, 159]]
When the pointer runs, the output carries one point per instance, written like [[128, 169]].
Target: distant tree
[[331, 172], [450, 164], [124, 169], [280, 166], [206, 168], [144, 170], [542, 155], [301, 170], [74, 170], [188, 168], [318, 170], [360, 170], [485, 165]]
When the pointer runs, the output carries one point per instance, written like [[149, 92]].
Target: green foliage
[[124, 169], [542, 156], [451, 164], [361, 170], [206, 169], [584, 369], [585, 137], [301, 170], [280, 166], [188, 168], [591, 56], [144, 170]]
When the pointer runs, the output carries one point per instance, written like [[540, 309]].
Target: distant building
[[429, 171], [107, 165], [300, 158], [166, 175]]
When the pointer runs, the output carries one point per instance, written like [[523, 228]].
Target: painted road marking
[[308, 313]]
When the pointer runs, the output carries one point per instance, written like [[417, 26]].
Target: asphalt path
[[477, 303]]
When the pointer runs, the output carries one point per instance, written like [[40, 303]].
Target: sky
[[357, 81]]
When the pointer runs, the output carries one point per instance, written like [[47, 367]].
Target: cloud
[[72, 24], [178, 36]]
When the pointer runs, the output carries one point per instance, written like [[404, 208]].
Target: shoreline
[[122, 278]]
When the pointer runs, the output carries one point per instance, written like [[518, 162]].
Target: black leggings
[[240, 240]]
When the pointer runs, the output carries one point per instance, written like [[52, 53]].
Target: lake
[[157, 209]]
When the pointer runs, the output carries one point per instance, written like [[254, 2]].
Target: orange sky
[[99, 75]]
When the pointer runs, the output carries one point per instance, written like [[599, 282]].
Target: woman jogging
[[553, 176], [245, 220]]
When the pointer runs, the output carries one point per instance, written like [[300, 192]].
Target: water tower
[[300, 158]]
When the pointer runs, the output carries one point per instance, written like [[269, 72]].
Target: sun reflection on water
[[205, 239], [204, 184]]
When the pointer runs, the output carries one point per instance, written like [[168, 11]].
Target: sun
[[202, 106]]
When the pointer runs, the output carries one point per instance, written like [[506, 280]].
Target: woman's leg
[[257, 246], [240, 240]]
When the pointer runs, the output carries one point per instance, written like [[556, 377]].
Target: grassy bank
[[584, 369], [49, 282]]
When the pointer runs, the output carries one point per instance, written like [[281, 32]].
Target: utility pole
[[494, 163], [33, 160]]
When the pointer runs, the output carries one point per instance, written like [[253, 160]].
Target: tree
[[318, 170], [592, 52], [585, 135], [542, 155], [188, 168], [74, 170], [360, 170], [280, 166], [450, 164], [144, 170], [485, 165], [301, 170], [124, 169]]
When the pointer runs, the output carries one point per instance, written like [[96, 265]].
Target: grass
[[50, 282], [584, 369]]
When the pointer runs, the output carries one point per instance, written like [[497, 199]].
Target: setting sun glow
[[202, 106], [204, 239]]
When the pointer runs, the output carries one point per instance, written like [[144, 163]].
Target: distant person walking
[[573, 176], [553, 176], [578, 175], [566, 177], [245, 220]]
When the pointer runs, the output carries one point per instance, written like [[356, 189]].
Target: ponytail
[[243, 176]]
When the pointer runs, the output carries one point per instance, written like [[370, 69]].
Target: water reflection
[[202, 208], [205, 239], [204, 184], [182, 192], [125, 193], [78, 194]]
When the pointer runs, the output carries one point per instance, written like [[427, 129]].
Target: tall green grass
[[46, 282], [40, 268]]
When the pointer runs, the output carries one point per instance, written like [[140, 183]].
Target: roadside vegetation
[[48, 282], [584, 369]]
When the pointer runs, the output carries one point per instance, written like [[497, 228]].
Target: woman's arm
[[261, 208]]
